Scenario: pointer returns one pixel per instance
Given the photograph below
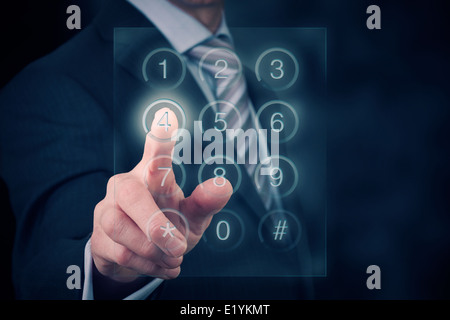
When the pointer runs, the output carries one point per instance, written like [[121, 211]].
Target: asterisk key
[[168, 230]]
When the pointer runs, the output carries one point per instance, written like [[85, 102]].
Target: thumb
[[205, 201]]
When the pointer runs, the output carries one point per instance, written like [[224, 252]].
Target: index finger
[[158, 152], [161, 138]]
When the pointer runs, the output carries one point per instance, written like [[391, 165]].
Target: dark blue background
[[388, 114]]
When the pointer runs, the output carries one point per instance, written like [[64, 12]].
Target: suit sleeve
[[56, 154]]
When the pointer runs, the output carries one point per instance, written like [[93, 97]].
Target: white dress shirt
[[183, 32]]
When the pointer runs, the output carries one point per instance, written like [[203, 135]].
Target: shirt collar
[[179, 28]]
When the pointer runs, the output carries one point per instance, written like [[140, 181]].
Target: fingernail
[[164, 123], [176, 247]]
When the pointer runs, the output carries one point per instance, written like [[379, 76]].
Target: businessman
[[77, 203]]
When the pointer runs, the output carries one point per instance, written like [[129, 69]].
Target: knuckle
[[99, 207], [173, 273], [110, 184], [107, 223], [126, 190], [152, 269], [154, 230], [171, 262], [95, 241], [123, 256], [152, 169], [147, 250], [115, 226], [114, 181], [121, 225]]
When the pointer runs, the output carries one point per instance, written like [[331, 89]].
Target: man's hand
[[131, 234]]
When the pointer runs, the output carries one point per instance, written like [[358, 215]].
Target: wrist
[[108, 288]]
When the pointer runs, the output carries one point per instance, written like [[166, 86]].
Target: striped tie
[[220, 67]]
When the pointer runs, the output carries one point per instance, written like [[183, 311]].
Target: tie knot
[[216, 61], [220, 42]]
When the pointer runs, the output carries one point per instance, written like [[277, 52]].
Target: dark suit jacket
[[57, 151]]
